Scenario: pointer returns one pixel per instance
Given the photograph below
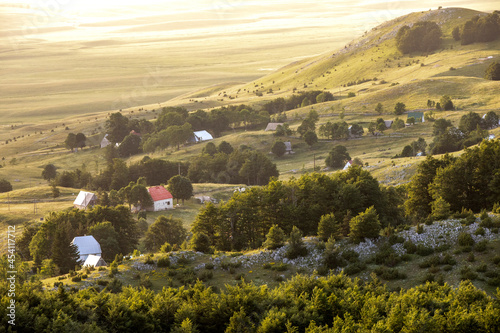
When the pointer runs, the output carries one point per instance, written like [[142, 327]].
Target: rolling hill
[[454, 69]]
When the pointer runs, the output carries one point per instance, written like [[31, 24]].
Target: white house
[[348, 165], [201, 136], [162, 199], [85, 200], [105, 142], [288, 146], [273, 126], [87, 245], [94, 261]]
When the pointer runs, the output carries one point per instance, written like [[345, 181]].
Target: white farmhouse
[[348, 165], [94, 261], [162, 199], [87, 245], [201, 136], [85, 200], [105, 142]]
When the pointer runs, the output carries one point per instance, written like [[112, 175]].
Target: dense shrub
[[163, 262], [465, 239], [389, 273], [355, 268], [481, 246], [410, 247], [467, 274]]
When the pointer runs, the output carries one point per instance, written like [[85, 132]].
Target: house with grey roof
[[87, 245], [85, 200]]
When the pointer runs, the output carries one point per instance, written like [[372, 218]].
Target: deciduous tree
[[165, 229], [399, 108], [279, 148], [180, 187], [337, 157], [49, 172]]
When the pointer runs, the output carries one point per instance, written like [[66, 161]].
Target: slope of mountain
[[383, 73]]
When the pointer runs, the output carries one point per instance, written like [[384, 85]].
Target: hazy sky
[[358, 15]]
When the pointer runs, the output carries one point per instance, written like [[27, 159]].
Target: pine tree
[[327, 227], [296, 246], [275, 238], [440, 209], [64, 254], [365, 225]]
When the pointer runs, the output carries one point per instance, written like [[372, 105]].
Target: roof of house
[[348, 164], [273, 126], [416, 115], [93, 260], [203, 136], [159, 193], [84, 198], [87, 245], [135, 133]]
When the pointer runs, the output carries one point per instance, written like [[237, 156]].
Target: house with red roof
[[162, 199]]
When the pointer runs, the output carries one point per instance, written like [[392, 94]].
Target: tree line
[[174, 126], [117, 173], [470, 181], [421, 37], [478, 29], [295, 101], [471, 130], [244, 220], [227, 165]]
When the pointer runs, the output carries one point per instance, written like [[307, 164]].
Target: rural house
[[85, 200], [105, 142], [201, 136], [348, 165], [273, 126], [87, 245], [418, 116], [388, 123], [162, 199], [288, 146], [94, 261]]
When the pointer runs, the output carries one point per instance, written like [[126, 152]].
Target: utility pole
[[179, 166], [314, 162], [8, 201]]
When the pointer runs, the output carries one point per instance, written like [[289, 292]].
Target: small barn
[[87, 245], [85, 200], [162, 198], [272, 126], [201, 136], [418, 116], [94, 261], [388, 123], [105, 142]]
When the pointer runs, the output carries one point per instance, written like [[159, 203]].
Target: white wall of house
[[163, 204]]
